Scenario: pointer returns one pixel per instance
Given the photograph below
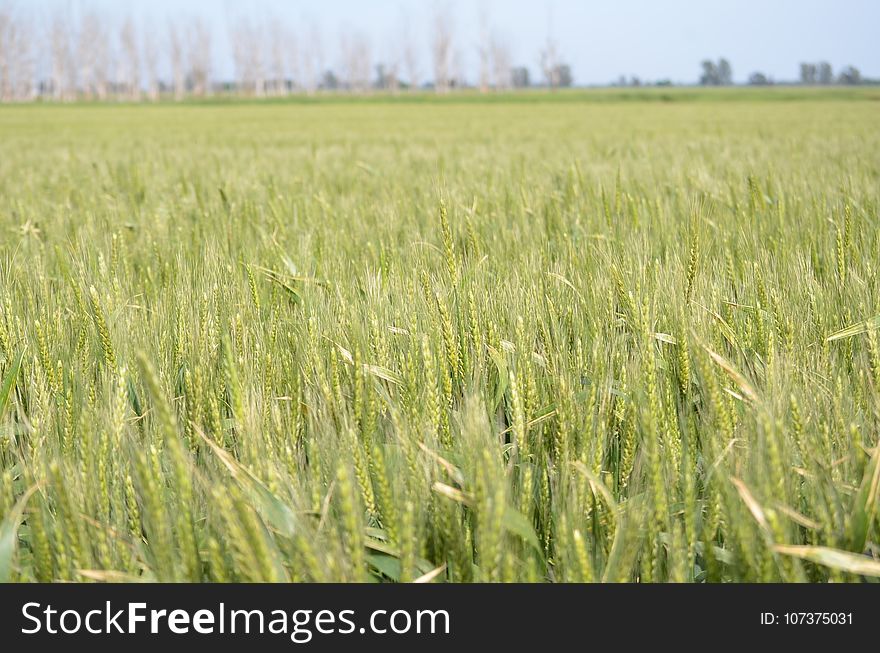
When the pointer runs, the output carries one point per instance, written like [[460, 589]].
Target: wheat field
[[627, 340]]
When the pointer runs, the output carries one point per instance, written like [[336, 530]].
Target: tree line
[[91, 57], [94, 58], [720, 73]]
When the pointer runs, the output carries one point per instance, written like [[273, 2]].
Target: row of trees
[[94, 58], [716, 74], [813, 74], [720, 73], [822, 73]]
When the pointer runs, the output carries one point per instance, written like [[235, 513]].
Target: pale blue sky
[[601, 39]]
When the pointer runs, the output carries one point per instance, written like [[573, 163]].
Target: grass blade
[[855, 329], [852, 563], [8, 385], [734, 374], [515, 523], [862, 515], [9, 534]]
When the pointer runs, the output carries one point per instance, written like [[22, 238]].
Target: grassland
[[615, 340]]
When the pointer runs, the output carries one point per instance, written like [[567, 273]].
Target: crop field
[[627, 340]]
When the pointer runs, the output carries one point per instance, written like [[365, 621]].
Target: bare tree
[[62, 65], [86, 53], [16, 58], [501, 64], [247, 53], [24, 65], [256, 61], [7, 29], [441, 48], [277, 57], [409, 55], [200, 57], [151, 63], [130, 61], [239, 59], [550, 63], [388, 74], [484, 49], [392, 78], [355, 63], [364, 67], [312, 60], [291, 52], [344, 63], [175, 51]]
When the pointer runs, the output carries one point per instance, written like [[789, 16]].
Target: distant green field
[[590, 336], [781, 93]]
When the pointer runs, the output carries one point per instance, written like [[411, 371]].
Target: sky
[[600, 39]]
